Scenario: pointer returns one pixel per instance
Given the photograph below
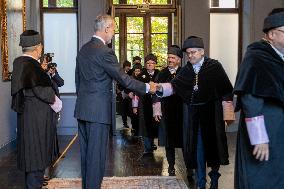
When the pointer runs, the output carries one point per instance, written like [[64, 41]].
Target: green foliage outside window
[[162, 2], [134, 25], [135, 40], [60, 3], [159, 39], [159, 24], [160, 48], [65, 3], [135, 46], [133, 2], [45, 3]]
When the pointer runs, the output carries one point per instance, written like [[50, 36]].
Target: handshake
[[154, 87]]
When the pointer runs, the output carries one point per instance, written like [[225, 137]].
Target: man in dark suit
[[96, 68]]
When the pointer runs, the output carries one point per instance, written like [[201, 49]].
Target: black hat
[[193, 42], [30, 38], [137, 66], [275, 19], [126, 63], [150, 57], [136, 58], [175, 50]]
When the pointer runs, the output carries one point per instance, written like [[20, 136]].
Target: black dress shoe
[[154, 147], [44, 183], [46, 178], [214, 185], [172, 171], [190, 179]]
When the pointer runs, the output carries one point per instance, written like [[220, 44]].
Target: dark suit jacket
[[96, 67]]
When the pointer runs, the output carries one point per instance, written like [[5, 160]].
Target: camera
[[51, 65], [48, 57]]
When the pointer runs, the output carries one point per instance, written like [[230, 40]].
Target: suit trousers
[[170, 154], [34, 179], [93, 146]]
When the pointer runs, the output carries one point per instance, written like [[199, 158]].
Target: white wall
[[224, 41]]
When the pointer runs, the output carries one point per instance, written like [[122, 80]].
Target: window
[[159, 38], [60, 38], [148, 31], [116, 37], [135, 36], [225, 18]]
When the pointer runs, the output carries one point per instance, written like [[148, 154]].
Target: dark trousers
[[170, 154], [125, 110], [201, 165], [93, 145], [148, 144], [135, 123], [34, 179]]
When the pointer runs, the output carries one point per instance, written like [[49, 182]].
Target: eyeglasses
[[280, 30], [191, 52]]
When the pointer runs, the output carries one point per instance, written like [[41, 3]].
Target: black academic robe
[[260, 89], [147, 124], [204, 111], [31, 95], [56, 82], [170, 126]]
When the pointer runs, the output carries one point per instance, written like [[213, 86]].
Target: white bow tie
[[172, 71]]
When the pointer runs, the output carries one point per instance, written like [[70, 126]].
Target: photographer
[[51, 69], [56, 81]]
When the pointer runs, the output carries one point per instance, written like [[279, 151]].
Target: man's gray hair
[[29, 49], [102, 21]]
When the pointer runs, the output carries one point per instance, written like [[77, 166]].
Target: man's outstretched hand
[[153, 87]]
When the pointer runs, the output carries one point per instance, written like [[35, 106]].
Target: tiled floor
[[123, 154]]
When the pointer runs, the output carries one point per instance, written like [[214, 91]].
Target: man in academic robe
[[168, 111], [147, 125], [96, 68], [136, 61], [260, 89], [125, 106], [34, 100], [204, 86]]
